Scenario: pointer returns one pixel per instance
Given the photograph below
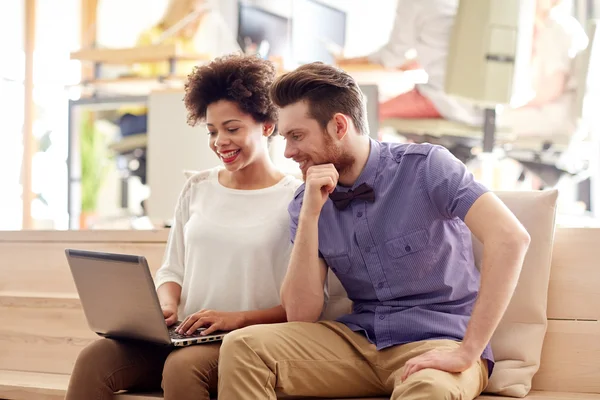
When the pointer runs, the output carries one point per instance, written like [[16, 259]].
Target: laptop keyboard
[[175, 335]]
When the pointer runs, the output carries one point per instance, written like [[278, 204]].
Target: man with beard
[[394, 223]]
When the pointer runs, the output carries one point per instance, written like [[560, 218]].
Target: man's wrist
[[471, 352], [308, 217]]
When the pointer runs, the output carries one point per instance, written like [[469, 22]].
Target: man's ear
[[341, 124]]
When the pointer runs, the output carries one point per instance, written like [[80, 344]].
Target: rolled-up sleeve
[[450, 186]]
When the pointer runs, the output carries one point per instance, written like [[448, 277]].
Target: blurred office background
[[90, 142]]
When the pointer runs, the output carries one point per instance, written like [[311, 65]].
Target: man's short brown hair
[[327, 89]]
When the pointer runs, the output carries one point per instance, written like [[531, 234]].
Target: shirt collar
[[369, 172]]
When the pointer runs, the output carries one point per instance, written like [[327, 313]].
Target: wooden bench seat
[[41, 386]]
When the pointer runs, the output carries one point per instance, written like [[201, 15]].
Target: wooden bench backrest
[[571, 353]]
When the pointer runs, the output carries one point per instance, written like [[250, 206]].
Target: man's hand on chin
[[451, 360]]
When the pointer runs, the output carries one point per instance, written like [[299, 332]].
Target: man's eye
[[232, 130], [210, 133]]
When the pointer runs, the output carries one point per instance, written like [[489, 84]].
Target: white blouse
[[229, 249]]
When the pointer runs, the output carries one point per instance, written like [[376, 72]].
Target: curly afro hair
[[242, 79]]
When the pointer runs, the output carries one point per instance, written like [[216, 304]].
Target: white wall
[[368, 23], [173, 146], [120, 22]]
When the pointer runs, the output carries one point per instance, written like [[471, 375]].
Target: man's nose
[[290, 151]]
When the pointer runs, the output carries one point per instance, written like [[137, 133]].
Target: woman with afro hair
[[228, 248]]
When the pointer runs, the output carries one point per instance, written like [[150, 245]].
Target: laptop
[[119, 299]]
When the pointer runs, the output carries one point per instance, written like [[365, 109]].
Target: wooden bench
[[43, 328]]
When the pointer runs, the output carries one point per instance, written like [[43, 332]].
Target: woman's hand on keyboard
[[212, 321], [170, 313]]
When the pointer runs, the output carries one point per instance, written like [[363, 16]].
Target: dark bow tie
[[342, 199]]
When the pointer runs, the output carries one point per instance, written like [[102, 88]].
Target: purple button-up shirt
[[406, 259]]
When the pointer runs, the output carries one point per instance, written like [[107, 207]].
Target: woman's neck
[[259, 175]]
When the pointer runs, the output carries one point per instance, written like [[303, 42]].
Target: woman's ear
[[268, 128]]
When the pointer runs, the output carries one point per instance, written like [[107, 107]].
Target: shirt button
[[380, 285], [367, 249], [408, 249], [382, 317], [359, 214]]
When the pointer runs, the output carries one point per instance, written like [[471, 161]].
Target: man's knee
[[237, 343], [429, 384], [247, 346]]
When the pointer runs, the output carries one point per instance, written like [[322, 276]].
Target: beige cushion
[[517, 343], [338, 303]]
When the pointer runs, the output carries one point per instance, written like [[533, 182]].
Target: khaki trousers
[[327, 359], [108, 366]]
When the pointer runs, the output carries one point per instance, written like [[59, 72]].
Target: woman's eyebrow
[[231, 120], [226, 122]]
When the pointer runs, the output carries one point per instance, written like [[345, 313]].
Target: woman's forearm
[[268, 316], [169, 293]]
